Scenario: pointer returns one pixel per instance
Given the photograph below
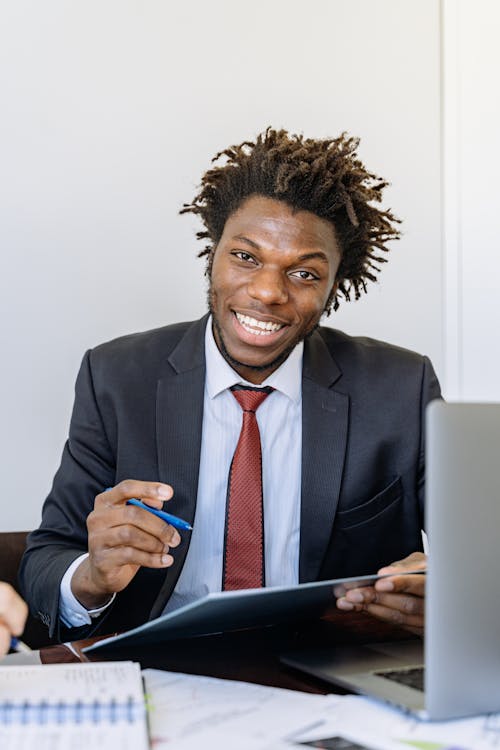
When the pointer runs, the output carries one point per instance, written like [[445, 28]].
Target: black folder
[[234, 610]]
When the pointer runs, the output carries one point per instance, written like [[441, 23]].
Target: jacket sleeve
[[87, 467]]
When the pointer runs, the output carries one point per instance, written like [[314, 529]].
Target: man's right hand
[[121, 539]]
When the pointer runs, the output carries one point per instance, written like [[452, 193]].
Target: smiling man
[[295, 451]]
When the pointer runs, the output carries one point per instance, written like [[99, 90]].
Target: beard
[[272, 364]]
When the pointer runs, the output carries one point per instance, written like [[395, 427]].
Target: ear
[[210, 251], [331, 298], [333, 290]]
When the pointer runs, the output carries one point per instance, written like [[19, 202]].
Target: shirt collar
[[220, 375]]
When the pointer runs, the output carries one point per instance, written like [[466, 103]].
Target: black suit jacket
[[138, 414]]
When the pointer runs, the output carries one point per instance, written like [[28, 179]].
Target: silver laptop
[[457, 673]]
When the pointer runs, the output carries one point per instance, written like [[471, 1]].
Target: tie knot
[[250, 398]]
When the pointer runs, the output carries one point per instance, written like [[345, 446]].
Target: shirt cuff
[[71, 611]]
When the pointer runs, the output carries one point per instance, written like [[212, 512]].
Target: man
[[292, 229]]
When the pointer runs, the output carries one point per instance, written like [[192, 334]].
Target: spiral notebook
[[62, 706]]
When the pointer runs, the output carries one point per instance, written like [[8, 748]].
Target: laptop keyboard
[[413, 677]]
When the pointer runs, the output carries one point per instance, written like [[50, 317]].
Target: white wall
[[472, 215], [111, 111]]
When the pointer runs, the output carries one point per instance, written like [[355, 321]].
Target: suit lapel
[[324, 437], [179, 406], [179, 417]]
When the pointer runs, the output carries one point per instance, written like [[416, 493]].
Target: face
[[272, 274]]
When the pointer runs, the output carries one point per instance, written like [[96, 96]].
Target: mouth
[[258, 327]]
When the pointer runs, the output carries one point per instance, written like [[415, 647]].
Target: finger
[[152, 493], [350, 600], [4, 639], [13, 610], [408, 584], [407, 605], [415, 561], [140, 518], [128, 536], [102, 521], [339, 590], [362, 595], [346, 606], [396, 616], [116, 557]]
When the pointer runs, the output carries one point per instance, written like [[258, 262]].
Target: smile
[[257, 327]]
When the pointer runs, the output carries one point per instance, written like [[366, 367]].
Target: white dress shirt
[[280, 425]]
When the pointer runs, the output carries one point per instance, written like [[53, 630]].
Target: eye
[[242, 255], [305, 275]]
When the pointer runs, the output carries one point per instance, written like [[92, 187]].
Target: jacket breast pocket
[[373, 534], [371, 510]]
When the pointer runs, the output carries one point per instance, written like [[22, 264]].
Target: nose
[[268, 286]]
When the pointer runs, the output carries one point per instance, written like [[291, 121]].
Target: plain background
[[112, 109], [471, 218]]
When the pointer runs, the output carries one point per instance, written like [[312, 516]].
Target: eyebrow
[[245, 239], [316, 255]]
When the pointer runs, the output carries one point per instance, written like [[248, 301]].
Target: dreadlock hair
[[324, 177]]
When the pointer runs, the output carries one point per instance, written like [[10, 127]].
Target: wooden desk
[[250, 655]]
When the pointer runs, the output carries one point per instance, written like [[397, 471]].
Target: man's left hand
[[398, 599]]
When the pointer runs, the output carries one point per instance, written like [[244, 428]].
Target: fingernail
[[356, 596], [174, 542], [342, 603], [384, 585], [164, 492], [167, 560]]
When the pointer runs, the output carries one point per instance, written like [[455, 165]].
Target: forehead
[[274, 224]]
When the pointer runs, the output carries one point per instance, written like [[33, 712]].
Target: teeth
[[257, 326]]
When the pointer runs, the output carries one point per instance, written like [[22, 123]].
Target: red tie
[[244, 543]]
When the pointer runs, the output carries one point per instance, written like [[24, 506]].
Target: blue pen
[[178, 523], [17, 645]]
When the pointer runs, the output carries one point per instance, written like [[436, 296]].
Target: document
[[101, 706], [72, 706], [189, 712], [368, 723]]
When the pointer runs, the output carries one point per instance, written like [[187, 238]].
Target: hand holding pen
[[124, 534], [13, 614]]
